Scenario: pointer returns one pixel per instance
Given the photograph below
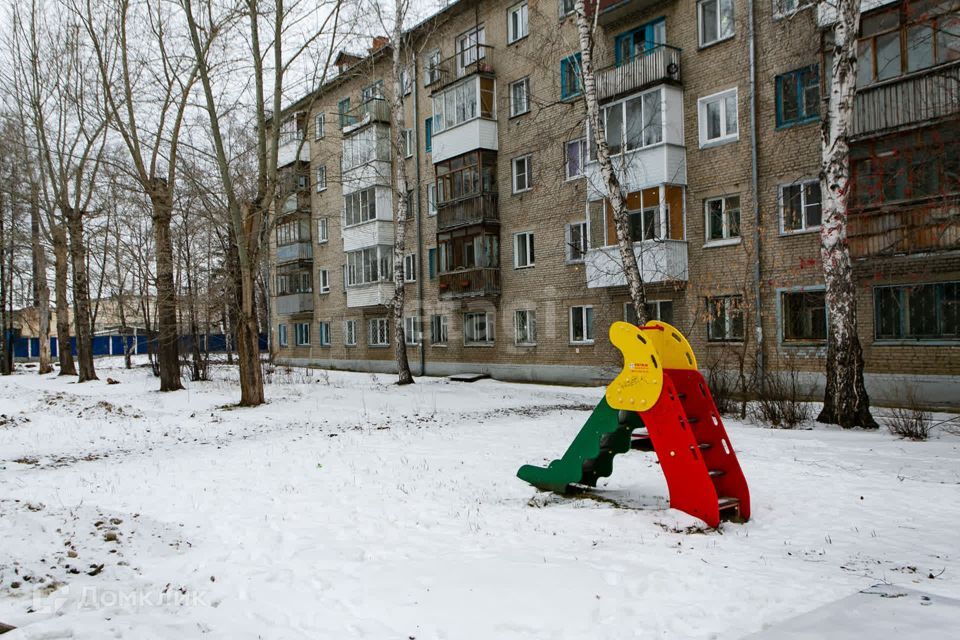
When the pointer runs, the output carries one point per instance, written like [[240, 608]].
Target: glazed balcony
[[294, 303], [659, 261], [370, 295], [477, 209], [370, 110], [924, 96], [295, 252], [470, 283], [659, 65]]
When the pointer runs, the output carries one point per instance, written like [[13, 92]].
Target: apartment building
[[713, 120]]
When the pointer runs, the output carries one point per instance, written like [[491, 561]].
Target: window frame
[[526, 159], [324, 337], [525, 83], [410, 268], [529, 247], [586, 313], [408, 143], [726, 238], [582, 154], [658, 304], [576, 61], [282, 337], [350, 333], [584, 245], [797, 77], [782, 316], [719, 97], [530, 336], [439, 328], [323, 281], [412, 335], [511, 36], [320, 177], [323, 230], [782, 200], [302, 334], [904, 293], [319, 126], [702, 44], [728, 317], [489, 328], [379, 322]]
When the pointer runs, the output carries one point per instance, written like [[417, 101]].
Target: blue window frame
[[432, 262], [636, 42], [798, 96], [428, 134], [342, 108], [570, 77]]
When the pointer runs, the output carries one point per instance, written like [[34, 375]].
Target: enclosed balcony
[[464, 118], [659, 261], [372, 109], [294, 242], [294, 303], [466, 190], [470, 283], [469, 263], [366, 159], [295, 289], [369, 276], [660, 64], [291, 146], [368, 218], [925, 96]]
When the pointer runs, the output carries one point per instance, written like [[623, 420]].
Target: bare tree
[[845, 399]]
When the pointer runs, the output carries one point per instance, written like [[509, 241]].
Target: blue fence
[[114, 345]]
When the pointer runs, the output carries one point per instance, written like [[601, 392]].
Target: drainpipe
[[416, 160], [755, 183]]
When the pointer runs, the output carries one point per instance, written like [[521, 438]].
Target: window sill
[[798, 123], [804, 344], [575, 178], [719, 142], [707, 45], [721, 343], [486, 345], [575, 262], [522, 191], [571, 98], [524, 344], [378, 346], [726, 242], [522, 267], [585, 343], [786, 233], [518, 40], [442, 345], [907, 342], [517, 115]]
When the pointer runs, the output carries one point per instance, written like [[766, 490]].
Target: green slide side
[[590, 455]]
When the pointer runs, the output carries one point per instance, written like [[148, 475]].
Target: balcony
[[900, 230], [292, 148], [369, 295], [478, 209], [294, 203], [924, 96], [368, 234], [615, 10], [370, 110], [294, 303], [295, 252], [659, 261], [477, 58], [470, 283], [465, 118], [659, 65]]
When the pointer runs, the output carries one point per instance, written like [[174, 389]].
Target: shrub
[[723, 388], [910, 420], [781, 401]]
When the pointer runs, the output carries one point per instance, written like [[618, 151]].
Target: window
[[470, 48], [302, 333], [411, 202], [800, 206], [723, 218], [517, 26], [782, 8], [438, 329], [725, 319], [575, 155], [372, 91], [525, 326], [411, 331], [577, 241], [428, 135], [432, 262], [408, 143], [432, 199], [293, 232], [467, 100], [633, 123], [718, 118], [906, 38], [803, 316], [645, 224], [715, 18], [350, 333], [523, 250], [323, 333], [410, 267], [322, 234], [318, 127], [432, 68], [343, 112], [798, 96], [917, 312], [321, 178], [570, 77], [519, 97], [521, 174], [581, 325], [359, 206], [370, 265], [567, 7], [378, 332], [323, 277], [478, 328], [282, 335], [294, 281], [406, 81], [639, 41], [366, 145], [471, 174], [656, 310]]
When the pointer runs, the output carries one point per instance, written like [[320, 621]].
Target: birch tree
[[845, 399], [586, 14]]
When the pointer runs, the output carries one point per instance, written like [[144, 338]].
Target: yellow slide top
[[647, 351]]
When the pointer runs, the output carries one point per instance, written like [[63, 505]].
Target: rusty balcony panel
[[660, 64], [932, 227], [477, 58], [470, 283], [920, 97], [468, 211]]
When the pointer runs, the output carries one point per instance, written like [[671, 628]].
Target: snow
[[348, 507]]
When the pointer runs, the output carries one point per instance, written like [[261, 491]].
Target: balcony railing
[[928, 95], [294, 203], [660, 64], [293, 182], [468, 211], [477, 58], [469, 283], [370, 110], [659, 261], [294, 252], [931, 227], [294, 303]]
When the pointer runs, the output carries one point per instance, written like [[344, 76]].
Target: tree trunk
[[61, 267], [6, 339], [41, 287], [845, 399], [81, 296], [611, 183], [168, 356], [248, 347]]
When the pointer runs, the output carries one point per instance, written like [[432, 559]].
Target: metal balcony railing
[[370, 110], [930, 94], [660, 64], [478, 58]]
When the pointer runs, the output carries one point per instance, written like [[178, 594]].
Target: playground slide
[[660, 389]]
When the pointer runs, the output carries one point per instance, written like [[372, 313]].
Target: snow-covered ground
[[350, 508]]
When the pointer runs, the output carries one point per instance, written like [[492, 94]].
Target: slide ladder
[[660, 401]]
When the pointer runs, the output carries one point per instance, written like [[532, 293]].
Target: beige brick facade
[[785, 155]]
